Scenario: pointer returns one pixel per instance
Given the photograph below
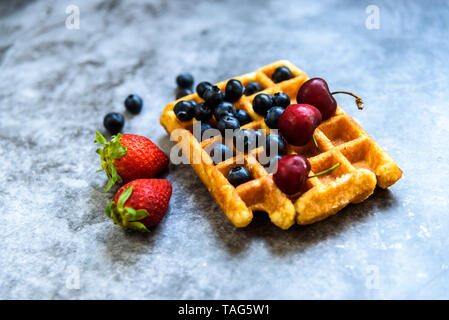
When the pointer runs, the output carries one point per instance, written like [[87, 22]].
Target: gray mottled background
[[57, 84]]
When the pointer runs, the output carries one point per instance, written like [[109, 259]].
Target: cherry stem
[[314, 141], [358, 100], [335, 166]]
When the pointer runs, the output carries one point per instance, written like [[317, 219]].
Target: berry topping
[[291, 173], [202, 87], [202, 112], [298, 122], [234, 90], [243, 117], [114, 122], [261, 103], [213, 95], [133, 103], [272, 117], [220, 153], [238, 176], [184, 109], [184, 80], [204, 127], [316, 93], [260, 134], [281, 99], [207, 131], [274, 145], [252, 88], [227, 122], [181, 92], [281, 74], [244, 140], [224, 109]]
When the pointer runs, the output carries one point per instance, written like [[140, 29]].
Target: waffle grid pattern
[[363, 164]]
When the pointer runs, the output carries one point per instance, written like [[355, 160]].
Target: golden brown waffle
[[363, 163]]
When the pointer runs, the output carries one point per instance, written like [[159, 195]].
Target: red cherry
[[316, 92], [291, 173], [298, 122]]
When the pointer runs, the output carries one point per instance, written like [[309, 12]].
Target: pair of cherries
[[315, 103], [297, 125]]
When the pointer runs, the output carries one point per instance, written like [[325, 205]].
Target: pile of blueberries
[[114, 121], [219, 104]]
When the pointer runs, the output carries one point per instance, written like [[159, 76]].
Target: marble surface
[[56, 84]]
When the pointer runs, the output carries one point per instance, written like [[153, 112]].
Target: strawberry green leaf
[[131, 214], [109, 208], [99, 138], [111, 150], [131, 211], [109, 185], [135, 215], [139, 215], [142, 213], [115, 176], [124, 197], [128, 218], [137, 226], [119, 151]]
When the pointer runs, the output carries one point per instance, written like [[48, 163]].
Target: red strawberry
[[140, 204], [128, 157]]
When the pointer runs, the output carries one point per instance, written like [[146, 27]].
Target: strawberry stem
[[358, 100], [335, 166]]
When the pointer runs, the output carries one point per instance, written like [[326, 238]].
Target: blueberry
[[202, 112], [275, 141], [220, 153], [282, 73], [234, 90], [181, 92], [133, 103], [261, 103], [244, 140], [204, 127], [243, 117], [224, 109], [271, 165], [202, 87], [260, 135], [227, 122], [252, 88], [272, 117], [184, 109], [281, 99], [239, 175], [184, 80], [213, 95], [114, 122]]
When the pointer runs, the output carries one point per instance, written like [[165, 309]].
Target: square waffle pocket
[[363, 163]]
